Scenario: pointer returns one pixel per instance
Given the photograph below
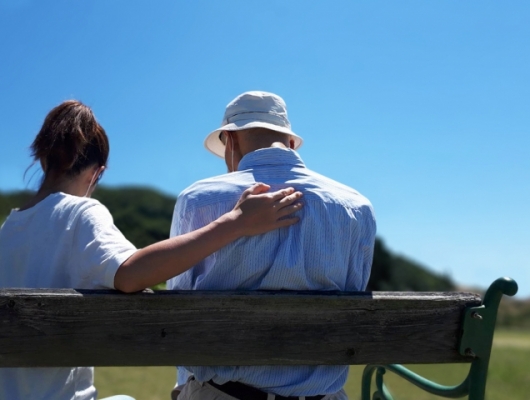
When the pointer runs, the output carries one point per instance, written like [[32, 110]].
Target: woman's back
[[63, 241]]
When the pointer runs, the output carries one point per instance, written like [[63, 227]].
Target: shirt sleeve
[[367, 245], [98, 249], [177, 219], [180, 224], [361, 256]]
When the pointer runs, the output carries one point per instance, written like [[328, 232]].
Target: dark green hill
[[11, 200], [142, 214], [392, 272], [144, 217]]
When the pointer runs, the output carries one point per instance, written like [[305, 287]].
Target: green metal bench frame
[[476, 341]]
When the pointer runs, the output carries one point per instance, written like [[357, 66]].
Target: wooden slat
[[63, 327]]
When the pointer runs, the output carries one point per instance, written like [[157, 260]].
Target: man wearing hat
[[330, 248]]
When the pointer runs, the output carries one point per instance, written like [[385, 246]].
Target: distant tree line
[[144, 217], [394, 272]]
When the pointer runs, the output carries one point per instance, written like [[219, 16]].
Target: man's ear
[[234, 140], [291, 143]]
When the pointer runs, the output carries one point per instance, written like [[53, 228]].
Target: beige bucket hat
[[252, 110]]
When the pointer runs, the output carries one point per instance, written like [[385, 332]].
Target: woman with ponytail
[[64, 239]]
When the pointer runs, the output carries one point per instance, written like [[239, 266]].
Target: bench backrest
[[65, 327]]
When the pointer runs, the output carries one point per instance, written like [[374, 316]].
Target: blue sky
[[422, 106]]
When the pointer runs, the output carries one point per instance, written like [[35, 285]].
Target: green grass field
[[509, 375]]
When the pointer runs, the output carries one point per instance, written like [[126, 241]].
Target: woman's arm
[[256, 212]]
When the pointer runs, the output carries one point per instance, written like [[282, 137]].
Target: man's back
[[331, 248]]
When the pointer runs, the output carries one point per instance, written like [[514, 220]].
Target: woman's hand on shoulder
[[259, 211]]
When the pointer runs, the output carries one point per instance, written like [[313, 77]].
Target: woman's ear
[[90, 176]]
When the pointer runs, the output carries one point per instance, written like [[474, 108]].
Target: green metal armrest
[[476, 342]]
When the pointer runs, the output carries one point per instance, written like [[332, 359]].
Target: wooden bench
[[66, 327]]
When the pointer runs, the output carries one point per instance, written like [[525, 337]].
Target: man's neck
[[250, 149]]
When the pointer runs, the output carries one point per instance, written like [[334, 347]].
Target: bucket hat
[[252, 110]]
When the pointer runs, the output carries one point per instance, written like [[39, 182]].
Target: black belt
[[244, 392]]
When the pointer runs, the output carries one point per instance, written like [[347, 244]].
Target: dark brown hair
[[70, 140]]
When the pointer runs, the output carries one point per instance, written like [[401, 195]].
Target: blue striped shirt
[[331, 248]]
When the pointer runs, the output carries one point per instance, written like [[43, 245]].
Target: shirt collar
[[270, 156]]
